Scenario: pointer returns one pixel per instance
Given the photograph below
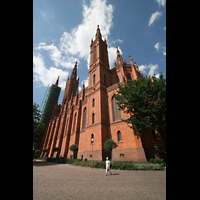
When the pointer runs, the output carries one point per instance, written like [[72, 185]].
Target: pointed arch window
[[119, 135], [93, 118], [74, 122], [117, 79], [129, 77], [93, 102], [94, 79], [116, 111], [84, 117], [92, 137], [104, 78]]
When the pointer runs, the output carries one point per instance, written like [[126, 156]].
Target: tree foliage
[[55, 149], [73, 147], [145, 101], [38, 126], [109, 145], [44, 150]]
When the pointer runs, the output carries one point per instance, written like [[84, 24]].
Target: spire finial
[[57, 80], [131, 60], [98, 34]]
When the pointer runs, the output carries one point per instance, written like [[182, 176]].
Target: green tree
[[109, 145], [73, 148], [145, 101], [38, 126], [44, 150]]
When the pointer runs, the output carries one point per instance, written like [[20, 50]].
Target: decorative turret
[[131, 60], [119, 57], [98, 34]]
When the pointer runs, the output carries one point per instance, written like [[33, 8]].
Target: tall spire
[[74, 72], [57, 80], [119, 57], [98, 34], [131, 60]]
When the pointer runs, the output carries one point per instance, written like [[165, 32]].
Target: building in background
[[51, 101], [93, 114]]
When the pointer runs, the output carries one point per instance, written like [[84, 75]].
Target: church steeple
[[74, 72], [98, 59], [71, 85], [98, 34]]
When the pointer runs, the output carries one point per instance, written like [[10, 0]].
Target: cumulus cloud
[[47, 76], [152, 68], [75, 45], [77, 42], [154, 16], [57, 57], [161, 2]]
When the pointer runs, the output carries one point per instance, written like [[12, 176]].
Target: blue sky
[[63, 29]]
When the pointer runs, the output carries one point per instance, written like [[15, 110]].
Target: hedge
[[118, 165]]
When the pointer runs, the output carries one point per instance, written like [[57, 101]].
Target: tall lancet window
[[74, 122], [84, 117], [94, 79], [116, 111], [117, 79]]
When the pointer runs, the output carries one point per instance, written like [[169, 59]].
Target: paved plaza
[[63, 181]]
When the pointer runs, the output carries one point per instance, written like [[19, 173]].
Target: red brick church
[[93, 113]]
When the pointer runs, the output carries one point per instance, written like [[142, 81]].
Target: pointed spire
[[83, 85], [57, 80], [74, 72], [119, 57], [98, 34], [131, 60]]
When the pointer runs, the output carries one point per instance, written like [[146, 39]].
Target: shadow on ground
[[39, 163]]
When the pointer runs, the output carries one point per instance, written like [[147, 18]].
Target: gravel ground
[[63, 181]]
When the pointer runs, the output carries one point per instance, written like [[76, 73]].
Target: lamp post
[[92, 140]]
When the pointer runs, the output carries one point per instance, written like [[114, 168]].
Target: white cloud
[[157, 46], [75, 45], [56, 56], [152, 68], [154, 16], [77, 42], [47, 76], [164, 51], [161, 2], [117, 40]]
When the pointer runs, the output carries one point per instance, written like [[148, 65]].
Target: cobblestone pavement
[[63, 181]]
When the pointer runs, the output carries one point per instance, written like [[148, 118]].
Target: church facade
[[93, 114]]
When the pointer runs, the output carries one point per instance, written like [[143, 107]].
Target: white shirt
[[107, 164]]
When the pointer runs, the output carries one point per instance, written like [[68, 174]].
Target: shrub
[[44, 150], [157, 161], [55, 149], [76, 162]]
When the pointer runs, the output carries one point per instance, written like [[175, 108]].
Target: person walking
[[107, 166]]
